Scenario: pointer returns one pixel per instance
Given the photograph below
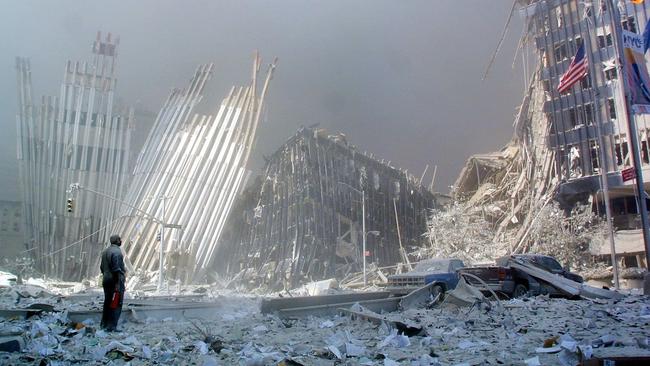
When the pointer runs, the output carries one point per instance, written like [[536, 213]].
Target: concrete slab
[[282, 303]]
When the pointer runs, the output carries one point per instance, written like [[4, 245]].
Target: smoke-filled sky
[[402, 79]]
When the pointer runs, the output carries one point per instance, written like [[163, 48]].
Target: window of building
[[621, 153], [561, 53], [589, 113], [585, 83], [595, 158], [611, 106], [644, 151], [573, 117], [629, 24], [605, 40], [611, 74], [547, 85]]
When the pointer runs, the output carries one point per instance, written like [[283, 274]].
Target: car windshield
[[549, 263], [437, 266]]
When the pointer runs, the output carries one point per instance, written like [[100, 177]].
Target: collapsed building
[[557, 151], [307, 216], [77, 137], [187, 176]]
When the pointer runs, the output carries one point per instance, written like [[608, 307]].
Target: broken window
[[605, 40], [621, 153], [629, 24], [595, 158], [589, 113], [575, 163], [611, 106], [611, 74], [573, 117], [561, 53]]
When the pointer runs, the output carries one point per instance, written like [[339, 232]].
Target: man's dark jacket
[[113, 276]]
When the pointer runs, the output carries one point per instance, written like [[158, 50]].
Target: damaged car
[[442, 271]]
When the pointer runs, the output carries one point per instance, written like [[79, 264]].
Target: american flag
[[577, 70]]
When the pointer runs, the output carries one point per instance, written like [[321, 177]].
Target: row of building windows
[[583, 114], [571, 156]]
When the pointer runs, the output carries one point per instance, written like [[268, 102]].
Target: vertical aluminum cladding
[[187, 176], [73, 138]]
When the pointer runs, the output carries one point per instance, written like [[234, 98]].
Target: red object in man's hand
[[115, 302]]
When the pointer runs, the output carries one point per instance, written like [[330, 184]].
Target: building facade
[[556, 28], [75, 137], [303, 219]]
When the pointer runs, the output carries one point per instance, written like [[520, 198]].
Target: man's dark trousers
[[110, 315]]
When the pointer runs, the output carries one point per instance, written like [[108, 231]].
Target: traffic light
[[70, 205]]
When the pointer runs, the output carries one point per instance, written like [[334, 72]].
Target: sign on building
[[637, 72], [628, 174]]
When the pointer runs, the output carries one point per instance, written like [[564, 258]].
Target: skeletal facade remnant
[[187, 176], [303, 220], [75, 137]]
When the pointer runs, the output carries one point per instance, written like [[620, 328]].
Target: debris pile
[[508, 199], [533, 331]]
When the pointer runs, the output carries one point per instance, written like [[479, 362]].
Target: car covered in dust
[[442, 271], [503, 278]]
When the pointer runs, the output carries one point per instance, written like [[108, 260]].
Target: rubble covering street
[[529, 331], [149, 224]]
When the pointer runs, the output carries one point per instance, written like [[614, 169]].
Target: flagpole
[[615, 18], [604, 166]]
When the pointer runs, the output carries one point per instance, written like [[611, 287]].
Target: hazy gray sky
[[402, 79]]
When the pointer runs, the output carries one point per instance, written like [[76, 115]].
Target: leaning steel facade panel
[[188, 174], [75, 137]]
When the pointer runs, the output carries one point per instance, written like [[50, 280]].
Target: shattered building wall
[[302, 220], [515, 183], [77, 137], [555, 30], [187, 176]]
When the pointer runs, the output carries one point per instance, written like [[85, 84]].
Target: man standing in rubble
[[113, 277]]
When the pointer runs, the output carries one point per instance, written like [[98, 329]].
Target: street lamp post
[[363, 221], [375, 233], [162, 246], [76, 187], [363, 226]]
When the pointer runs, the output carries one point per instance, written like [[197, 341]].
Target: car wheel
[[437, 290], [520, 290]]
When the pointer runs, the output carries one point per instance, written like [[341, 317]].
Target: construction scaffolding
[[187, 176], [74, 138], [304, 220]]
